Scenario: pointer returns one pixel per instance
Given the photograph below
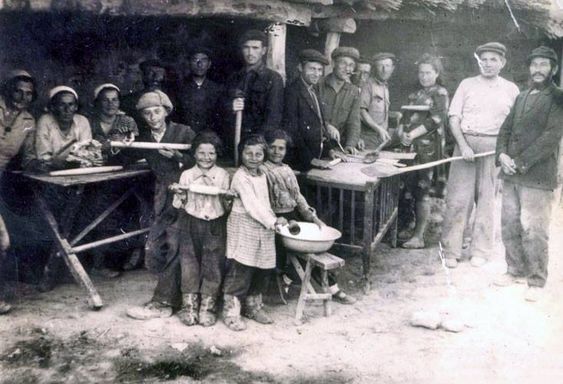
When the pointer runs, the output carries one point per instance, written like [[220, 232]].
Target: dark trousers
[[202, 252], [526, 216], [242, 280]]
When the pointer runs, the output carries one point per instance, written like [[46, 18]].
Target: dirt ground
[[54, 337]]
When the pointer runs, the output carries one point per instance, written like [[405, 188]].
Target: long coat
[[304, 124], [531, 135]]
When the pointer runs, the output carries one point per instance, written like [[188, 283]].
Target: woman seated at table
[[59, 129], [108, 123], [422, 128]]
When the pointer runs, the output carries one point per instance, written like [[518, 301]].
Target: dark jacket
[[341, 109], [532, 139], [304, 125], [263, 98], [199, 107]]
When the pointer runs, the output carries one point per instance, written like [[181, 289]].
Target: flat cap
[[347, 52], [254, 34], [312, 55], [364, 60], [100, 88], [492, 47], [383, 56], [151, 63], [61, 88], [200, 49], [19, 73], [154, 99], [543, 51]]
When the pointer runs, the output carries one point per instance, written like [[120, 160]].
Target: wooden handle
[[148, 145], [438, 162], [238, 128], [86, 171]]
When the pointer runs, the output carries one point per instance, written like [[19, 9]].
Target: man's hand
[[333, 132], [406, 139], [507, 164], [361, 144], [384, 135], [467, 153], [238, 104], [318, 163], [333, 154], [351, 150]]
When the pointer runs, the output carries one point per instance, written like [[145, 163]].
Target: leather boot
[[188, 314], [207, 316], [254, 309], [231, 313]]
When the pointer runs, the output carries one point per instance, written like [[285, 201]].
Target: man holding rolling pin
[[528, 153], [256, 91], [478, 109]]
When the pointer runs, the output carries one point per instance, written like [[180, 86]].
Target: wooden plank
[[369, 197], [277, 33], [303, 294], [299, 269], [109, 240], [69, 181], [337, 24], [326, 261]]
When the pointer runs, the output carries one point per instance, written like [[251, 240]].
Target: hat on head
[[543, 51], [346, 52], [365, 60], [18, 73], [154, 99], [200, 49], [312, 55], [383, 56], [492, 47], [62, 88], [150, 63], [105, 86], [254, 34]]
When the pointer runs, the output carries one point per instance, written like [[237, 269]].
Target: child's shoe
[[254, 309], [188, 314], [231, 313], [207, 316]]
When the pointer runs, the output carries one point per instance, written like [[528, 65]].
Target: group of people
[[213, 235]]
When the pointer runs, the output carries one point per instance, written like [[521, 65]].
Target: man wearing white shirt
[[477, 111]]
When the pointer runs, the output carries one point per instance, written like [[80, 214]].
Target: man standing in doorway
[[255, 89], [528, 153], [478, 109]]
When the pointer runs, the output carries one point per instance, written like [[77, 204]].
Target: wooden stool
[[326, 262]]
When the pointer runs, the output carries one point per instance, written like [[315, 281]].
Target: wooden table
[[60, 230], [363, 208]]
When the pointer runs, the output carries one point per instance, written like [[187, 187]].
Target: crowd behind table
[[211, 247]]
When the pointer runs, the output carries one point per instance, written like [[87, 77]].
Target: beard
[[541, 85]]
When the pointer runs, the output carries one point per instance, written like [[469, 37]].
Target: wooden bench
[[326, 262]]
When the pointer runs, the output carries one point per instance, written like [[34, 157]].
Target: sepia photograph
[[281, 191]]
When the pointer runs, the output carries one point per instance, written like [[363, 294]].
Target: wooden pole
[[561, 71], [276, 52], [331, 43]]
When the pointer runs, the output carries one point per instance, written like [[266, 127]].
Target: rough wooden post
[[276, 53], [331, 43], [561, 71]]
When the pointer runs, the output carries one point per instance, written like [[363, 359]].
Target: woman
[[422, 127], [108, 123]]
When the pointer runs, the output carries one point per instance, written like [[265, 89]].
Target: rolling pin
[[149, 145], [86, 171]]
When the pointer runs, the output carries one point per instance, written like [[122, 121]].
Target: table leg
[[303, 293], [369, 204], [70, 258], [327, 302]]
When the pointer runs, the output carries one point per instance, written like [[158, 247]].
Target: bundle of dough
[[86, 154]]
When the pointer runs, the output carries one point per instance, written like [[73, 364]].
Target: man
[[363, 72], [303, 118], [528, 152], [16, 122], [340, 100], [478, 109], [153, 74], [198, 101], [256, 90], [374, 107]]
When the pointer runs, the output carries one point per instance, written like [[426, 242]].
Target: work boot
[[188, 314], [207, 315], [451, 263], [105, 273], [254, 309], [342, 298], [508, 279], [151, 310], [231, 313]]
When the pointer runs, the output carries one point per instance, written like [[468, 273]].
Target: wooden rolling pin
[[86, 171], [148, 145]]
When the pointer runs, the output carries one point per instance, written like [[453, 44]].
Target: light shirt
[[375, 99], [50, 139], [483, 105], [15, 136], [204, 207], [158, 135]]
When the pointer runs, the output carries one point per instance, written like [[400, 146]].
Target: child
[[203, 231], [250, 239], [287, 201], [161, 247]]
